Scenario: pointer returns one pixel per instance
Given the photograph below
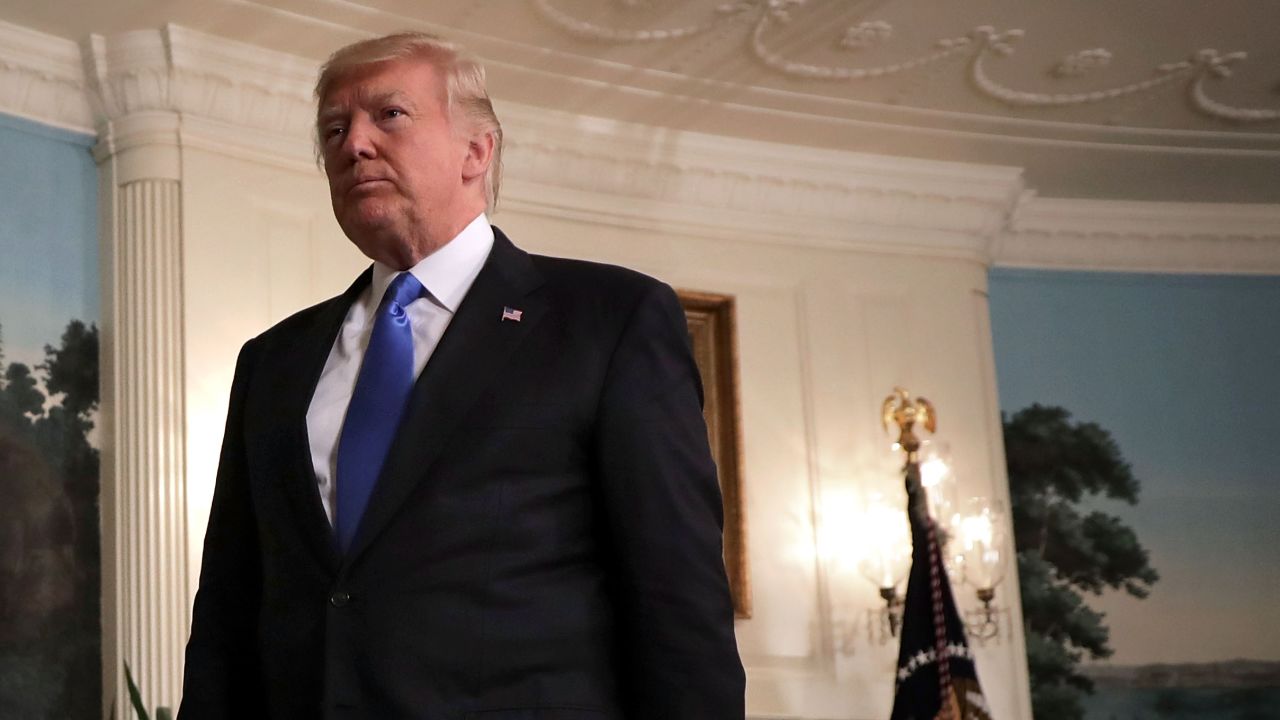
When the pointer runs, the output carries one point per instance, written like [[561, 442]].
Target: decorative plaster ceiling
[[1055, 61], [1094, 98]]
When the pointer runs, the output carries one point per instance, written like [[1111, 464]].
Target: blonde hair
[[465, 93]]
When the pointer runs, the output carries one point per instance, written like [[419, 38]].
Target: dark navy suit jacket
[[544, 542]]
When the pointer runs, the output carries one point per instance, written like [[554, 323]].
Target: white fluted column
[[167, 104], [144, 476], [144, 470], [145, 499]]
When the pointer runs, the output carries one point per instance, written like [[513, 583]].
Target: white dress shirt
[[447, 274]]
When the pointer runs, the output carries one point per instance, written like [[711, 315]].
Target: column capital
[[175, 87]]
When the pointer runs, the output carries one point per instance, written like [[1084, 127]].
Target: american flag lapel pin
[[511, 314]]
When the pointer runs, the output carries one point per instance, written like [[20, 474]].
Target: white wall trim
[[252, 103], [244, 101], [41, 79], [644, 176], [673, 219], [1141, 237], [239, 100], [183, 71]]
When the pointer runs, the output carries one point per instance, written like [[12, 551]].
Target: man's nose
[[360, 142]]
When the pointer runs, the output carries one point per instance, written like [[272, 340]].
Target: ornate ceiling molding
[[1141, 237], [640, 176], [178, 86], [221, 95], [978, 45], [179, 70], [172, 85], [1204, 64], [42, 79], [1083, 62]]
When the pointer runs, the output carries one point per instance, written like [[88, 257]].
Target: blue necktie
[[382, 391]]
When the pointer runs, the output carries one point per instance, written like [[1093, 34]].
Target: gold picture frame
[[713, 331]]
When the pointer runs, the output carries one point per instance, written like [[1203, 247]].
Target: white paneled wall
[[261, 244]]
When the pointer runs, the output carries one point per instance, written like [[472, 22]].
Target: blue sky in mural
[[49, 666], [48, 251], [1184, 371]]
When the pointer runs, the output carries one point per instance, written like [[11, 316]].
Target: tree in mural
[[1065, 551], [49, 551]]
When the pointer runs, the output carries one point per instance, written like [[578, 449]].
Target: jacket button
[[339, 598]]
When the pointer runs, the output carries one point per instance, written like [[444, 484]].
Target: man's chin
[[368, 220], [365, 232]]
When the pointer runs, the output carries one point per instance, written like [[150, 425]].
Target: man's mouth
[[367, 183]]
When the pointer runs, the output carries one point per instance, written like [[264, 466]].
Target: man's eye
[[392, 113]]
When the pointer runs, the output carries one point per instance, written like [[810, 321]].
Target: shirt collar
[[448, 272]]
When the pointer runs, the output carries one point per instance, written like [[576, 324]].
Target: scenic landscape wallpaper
[[50, 629], [1141, 425]]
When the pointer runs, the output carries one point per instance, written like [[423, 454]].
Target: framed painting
[[713, 331]]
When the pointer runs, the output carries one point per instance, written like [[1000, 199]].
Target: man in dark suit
[[475, 485]]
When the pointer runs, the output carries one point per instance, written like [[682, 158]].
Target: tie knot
[[403, 290]]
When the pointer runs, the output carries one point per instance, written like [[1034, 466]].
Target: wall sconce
[[868, 537], [886, 558], [885, 562], [978, 550]]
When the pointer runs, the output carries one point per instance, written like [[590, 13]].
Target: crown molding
[[178, 70], [1141, 237], [228, 96], [603, 170], [42, 79], [684, 219], [1060, 158], [244, 101]]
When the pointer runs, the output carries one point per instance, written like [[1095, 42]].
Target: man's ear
[[479, 155]]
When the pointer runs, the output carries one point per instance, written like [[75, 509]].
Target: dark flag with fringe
[[936, 678]]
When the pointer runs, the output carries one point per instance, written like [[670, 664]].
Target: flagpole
[[933, 642]]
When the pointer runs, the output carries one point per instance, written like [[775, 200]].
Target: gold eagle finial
[[906, 412]]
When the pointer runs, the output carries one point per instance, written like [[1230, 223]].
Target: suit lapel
[[304, 362], [467, 359]]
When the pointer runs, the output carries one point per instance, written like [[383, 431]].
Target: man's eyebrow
[[397, 97], [391, 97], [329, 114]]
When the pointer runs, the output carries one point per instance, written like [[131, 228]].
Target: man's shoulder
[[580, 278], [597, 292], [586, 277]]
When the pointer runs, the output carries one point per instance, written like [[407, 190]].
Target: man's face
[[400, 176]]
